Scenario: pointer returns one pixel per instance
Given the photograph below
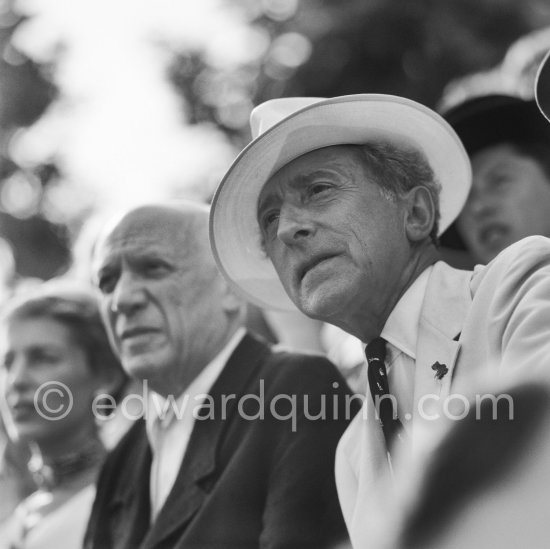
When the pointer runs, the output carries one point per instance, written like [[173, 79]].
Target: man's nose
[[129, 294], [295, 225]]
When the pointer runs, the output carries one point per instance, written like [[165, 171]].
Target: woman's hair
[[75, 307]]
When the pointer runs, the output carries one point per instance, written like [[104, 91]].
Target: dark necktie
[[384, 403]]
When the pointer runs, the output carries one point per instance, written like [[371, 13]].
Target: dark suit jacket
[[243, 483]]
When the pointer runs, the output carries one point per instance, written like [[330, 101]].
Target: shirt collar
[[199, 386], [401, 328]]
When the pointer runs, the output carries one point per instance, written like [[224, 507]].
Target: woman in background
[[56, 360], [508, 142]]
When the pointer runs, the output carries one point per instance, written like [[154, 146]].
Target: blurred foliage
[[408, 48], [38, 246], [321, 48], [24, 87], [325, 48]]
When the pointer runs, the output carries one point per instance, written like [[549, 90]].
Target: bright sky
[[119, 128]]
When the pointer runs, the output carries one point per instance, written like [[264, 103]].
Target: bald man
[[237, 444]]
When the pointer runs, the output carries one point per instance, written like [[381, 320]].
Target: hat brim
[[355, 119], [488, 120], [542, 86]]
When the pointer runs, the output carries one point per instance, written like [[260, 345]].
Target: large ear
[[420, 214], [231, 302]]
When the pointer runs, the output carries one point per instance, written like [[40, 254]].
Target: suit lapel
[[362, 467], [128, 507], [446, 303], [201, 466]]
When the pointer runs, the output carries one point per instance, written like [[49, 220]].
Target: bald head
[[185, 222], [167, 309]]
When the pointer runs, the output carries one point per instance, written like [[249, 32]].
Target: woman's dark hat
[[488, 120]]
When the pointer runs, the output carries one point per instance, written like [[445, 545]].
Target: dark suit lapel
[[201, 466], [128, 507]]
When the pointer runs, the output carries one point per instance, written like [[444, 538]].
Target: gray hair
[[398, 170]]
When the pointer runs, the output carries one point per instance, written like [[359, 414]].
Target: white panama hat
[[284, 129]]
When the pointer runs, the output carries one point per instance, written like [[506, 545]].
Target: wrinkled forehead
[[157, 232], [337, 160], [135, 233]]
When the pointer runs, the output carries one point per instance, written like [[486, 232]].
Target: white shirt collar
[[401, 328], [199, 386]]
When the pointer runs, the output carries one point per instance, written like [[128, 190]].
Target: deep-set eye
[[155, 267], [318, 188], [270, 218], [106, 282]]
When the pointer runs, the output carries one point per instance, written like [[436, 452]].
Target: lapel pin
[[440, 370]]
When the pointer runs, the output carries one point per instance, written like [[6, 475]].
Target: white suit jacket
[[493, 320]]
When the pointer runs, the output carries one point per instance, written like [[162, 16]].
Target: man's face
[[338, 245], [160, 298], [509, 200]]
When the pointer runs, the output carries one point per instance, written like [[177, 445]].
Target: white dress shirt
[[401, 334], [170, 421]]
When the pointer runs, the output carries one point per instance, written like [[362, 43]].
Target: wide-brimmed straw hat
[[542, 86], [283, 130]]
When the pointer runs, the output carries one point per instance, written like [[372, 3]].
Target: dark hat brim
[[488, 120]]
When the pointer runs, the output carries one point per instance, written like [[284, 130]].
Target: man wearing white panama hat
[[335, 208]]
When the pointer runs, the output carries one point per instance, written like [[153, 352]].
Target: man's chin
[[320, 305], [140, 367]]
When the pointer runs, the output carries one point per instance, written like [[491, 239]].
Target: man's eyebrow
[[166, 254], [304, 179], [298, 181], [310, 176]]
